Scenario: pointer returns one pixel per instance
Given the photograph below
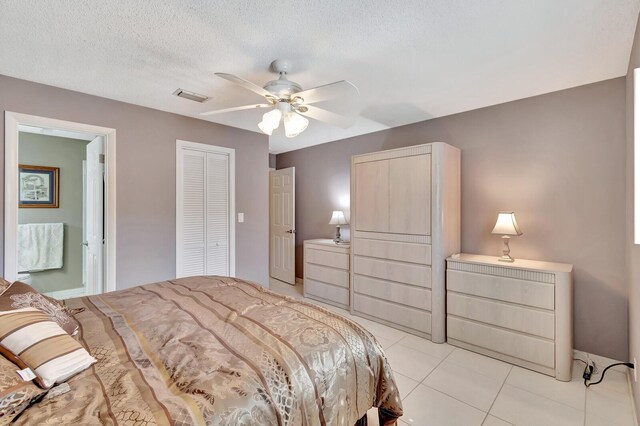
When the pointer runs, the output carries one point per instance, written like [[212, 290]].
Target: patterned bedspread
[[220, 351]]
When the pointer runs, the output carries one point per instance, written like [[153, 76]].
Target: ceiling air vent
[[190, 95]]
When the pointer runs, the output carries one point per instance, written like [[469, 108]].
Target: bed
[[220, 351]]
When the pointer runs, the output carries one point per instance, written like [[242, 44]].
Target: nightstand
[[326, 272], [520, 312]]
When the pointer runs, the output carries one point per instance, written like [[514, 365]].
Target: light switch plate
[[240, 217]]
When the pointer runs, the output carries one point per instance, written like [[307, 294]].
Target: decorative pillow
[[15, 393], [4, 284], [30, 339], [21, 295]]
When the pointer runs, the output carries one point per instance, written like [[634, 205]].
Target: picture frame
[[38, 186]]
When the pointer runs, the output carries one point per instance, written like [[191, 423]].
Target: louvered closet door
[[217, 241], [191, 250], [203, 214]]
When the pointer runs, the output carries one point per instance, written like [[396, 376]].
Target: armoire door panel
[[372, 196], [410, 195]]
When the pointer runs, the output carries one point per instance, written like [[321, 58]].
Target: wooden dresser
[[326, 272], [520, 312], [405, 221]]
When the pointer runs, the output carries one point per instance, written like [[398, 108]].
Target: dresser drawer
[[327, 258], [518, 318], [402, 315], [327, 292], [407, 295], [536, 350], [337, 277], [393, 250], [393, 271], [523, 292]]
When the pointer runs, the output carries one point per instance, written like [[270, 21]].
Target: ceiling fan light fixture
[[265, 128], [294, 124], [293, 105], [271, 120]]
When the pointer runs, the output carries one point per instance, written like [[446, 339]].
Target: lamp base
[[505, 250], [337, 239]]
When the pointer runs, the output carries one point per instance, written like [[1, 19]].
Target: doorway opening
[[59, 206]]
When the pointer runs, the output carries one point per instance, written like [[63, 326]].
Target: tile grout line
[[459, 400], [585, 406], [497, 395], [520, 387], [436, 367], [420, 383]]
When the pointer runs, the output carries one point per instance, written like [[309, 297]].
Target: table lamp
[[337, 218], [506, 226]]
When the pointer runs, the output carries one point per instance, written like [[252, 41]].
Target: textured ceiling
[[411, 59]]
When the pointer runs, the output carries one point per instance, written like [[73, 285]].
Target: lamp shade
[[294, 124], [337, 218], [506, 224], [270, 121]]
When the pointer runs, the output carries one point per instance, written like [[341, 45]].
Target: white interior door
[[282, 219], [94, 224], [204, 210]]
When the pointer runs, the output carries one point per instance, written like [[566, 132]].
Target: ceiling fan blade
[[320, 114], [240, 108], [340, 89], [246, 84]]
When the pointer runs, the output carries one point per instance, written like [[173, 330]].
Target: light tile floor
[[444, 385]]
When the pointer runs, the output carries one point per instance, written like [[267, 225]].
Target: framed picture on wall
[[38, 186]]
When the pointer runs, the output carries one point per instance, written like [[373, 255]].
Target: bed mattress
[[220, 351]]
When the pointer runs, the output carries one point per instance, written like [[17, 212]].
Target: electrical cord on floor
[[588, 370], [590, 367]]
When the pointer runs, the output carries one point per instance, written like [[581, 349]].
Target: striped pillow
[[29, 338], [21, 295]]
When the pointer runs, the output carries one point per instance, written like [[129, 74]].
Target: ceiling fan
[[290, 104]]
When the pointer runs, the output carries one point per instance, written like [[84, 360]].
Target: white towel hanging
[[40, 246]]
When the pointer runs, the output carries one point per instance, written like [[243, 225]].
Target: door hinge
[[101, 158]]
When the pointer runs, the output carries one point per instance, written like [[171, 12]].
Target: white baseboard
[[601, 361], [67, 294]]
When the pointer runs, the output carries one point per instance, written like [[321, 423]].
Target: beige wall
[[146, 145], [66, 154], [632, 251], [557, 160]]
